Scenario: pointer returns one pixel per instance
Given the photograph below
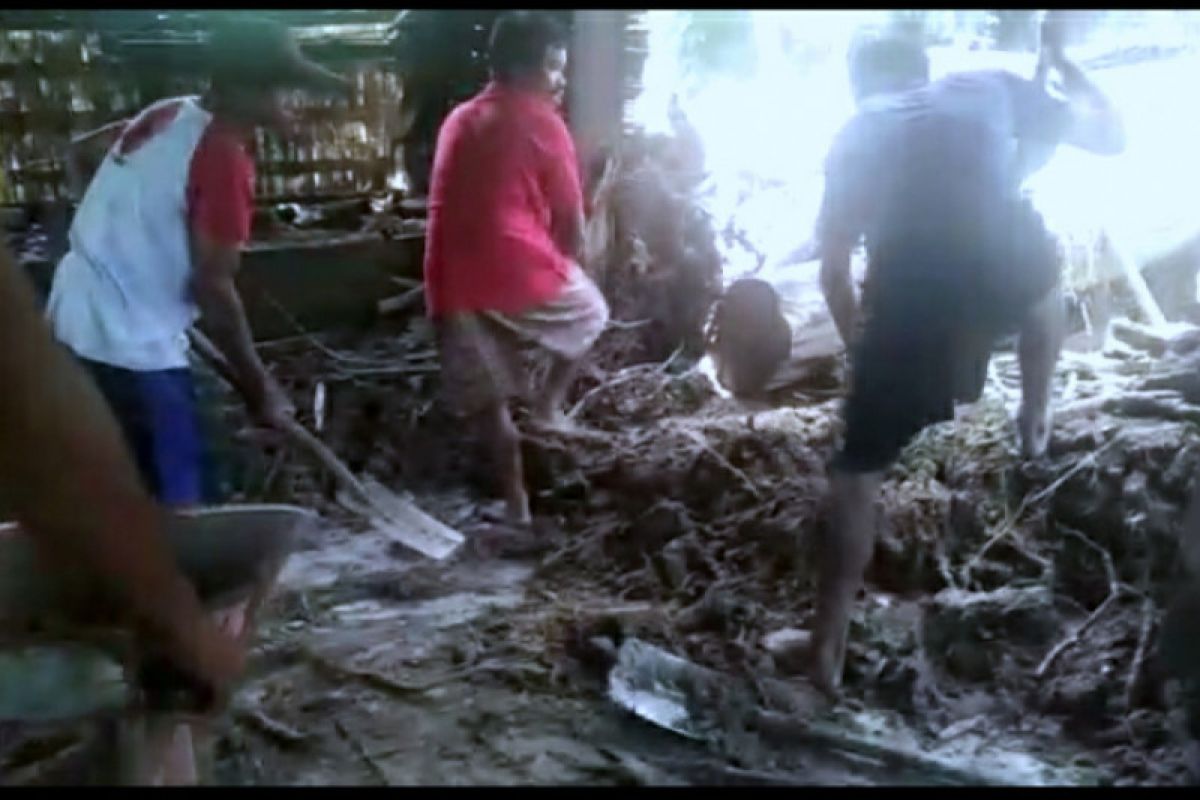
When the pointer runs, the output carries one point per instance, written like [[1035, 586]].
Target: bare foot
[[825, 670], [1033, 428]]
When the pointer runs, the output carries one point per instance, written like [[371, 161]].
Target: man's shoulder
[[981, 80]]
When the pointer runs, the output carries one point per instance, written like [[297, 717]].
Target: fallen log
[[1140, 337]]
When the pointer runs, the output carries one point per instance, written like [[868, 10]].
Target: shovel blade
[[402, 522]]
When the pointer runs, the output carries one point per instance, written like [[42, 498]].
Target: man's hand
[[838, 287], [206, 657], [270, 406]]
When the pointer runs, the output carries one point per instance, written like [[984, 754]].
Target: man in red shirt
[[505, 232]]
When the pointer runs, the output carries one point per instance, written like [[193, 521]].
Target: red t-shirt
[[504, 162], [220, 190]]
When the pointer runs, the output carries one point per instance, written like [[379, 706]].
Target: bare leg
[[549, 409], [1040, 342], [504, 441], [844, 557]]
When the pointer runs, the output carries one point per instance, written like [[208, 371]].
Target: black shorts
[[932, 320]]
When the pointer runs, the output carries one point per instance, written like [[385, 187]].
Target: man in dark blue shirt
[[929, 175]]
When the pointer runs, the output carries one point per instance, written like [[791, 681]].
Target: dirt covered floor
[[1010, 631]]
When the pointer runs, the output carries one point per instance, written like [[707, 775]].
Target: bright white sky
[[766, 136]]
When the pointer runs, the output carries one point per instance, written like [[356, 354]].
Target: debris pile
[[1029, 596]]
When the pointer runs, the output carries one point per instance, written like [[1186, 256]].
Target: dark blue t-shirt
[[936, 169]]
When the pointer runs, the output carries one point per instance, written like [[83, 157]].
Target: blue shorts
[[158, 414]]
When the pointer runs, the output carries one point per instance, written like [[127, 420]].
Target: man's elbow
[[212, 292]]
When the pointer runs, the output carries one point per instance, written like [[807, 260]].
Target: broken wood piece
[[1168, 405], [1138, 336], [1137, 282], [401, 302]]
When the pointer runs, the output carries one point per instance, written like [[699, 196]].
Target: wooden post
[[595, 100]]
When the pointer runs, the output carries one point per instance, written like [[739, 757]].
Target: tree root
[[1115, 590]]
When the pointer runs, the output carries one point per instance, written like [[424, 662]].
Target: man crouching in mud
[[929, 175], [505, 232]]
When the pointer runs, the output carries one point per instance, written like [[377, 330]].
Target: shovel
[[388, 513]]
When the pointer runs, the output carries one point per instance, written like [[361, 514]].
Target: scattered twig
[[621, 377], [1114, 594], [1010, 523], [742, 477], [396, 369], [282, 734], [362, 753], [1139, 654], [382, 682], [1074, 637], [307, 336], [1083, 463], [627, 325], [394, 305], [1110, 569], [583, 540]]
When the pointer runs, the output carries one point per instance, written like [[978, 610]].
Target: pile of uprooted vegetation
[[1004, 595], [650, 246], [1000, 590]]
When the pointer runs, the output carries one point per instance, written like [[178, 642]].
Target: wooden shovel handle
[[298, 433], [328, 459]]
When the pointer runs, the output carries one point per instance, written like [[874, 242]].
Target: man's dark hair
[[519, 42], [887, 64]]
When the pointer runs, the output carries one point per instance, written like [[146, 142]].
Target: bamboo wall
[[55, 84]]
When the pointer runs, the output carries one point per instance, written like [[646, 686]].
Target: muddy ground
[[1009, 628], [1009, 632]]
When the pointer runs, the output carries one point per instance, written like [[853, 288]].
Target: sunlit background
[[768, 109]]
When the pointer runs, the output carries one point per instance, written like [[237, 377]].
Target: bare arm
[[837, 284], [566, 227], [1095, 125], [840, 225], [66, 473], [559, 173], [214, 267]]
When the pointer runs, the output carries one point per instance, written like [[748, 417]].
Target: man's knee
[[599, 313], [1046, 319]]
